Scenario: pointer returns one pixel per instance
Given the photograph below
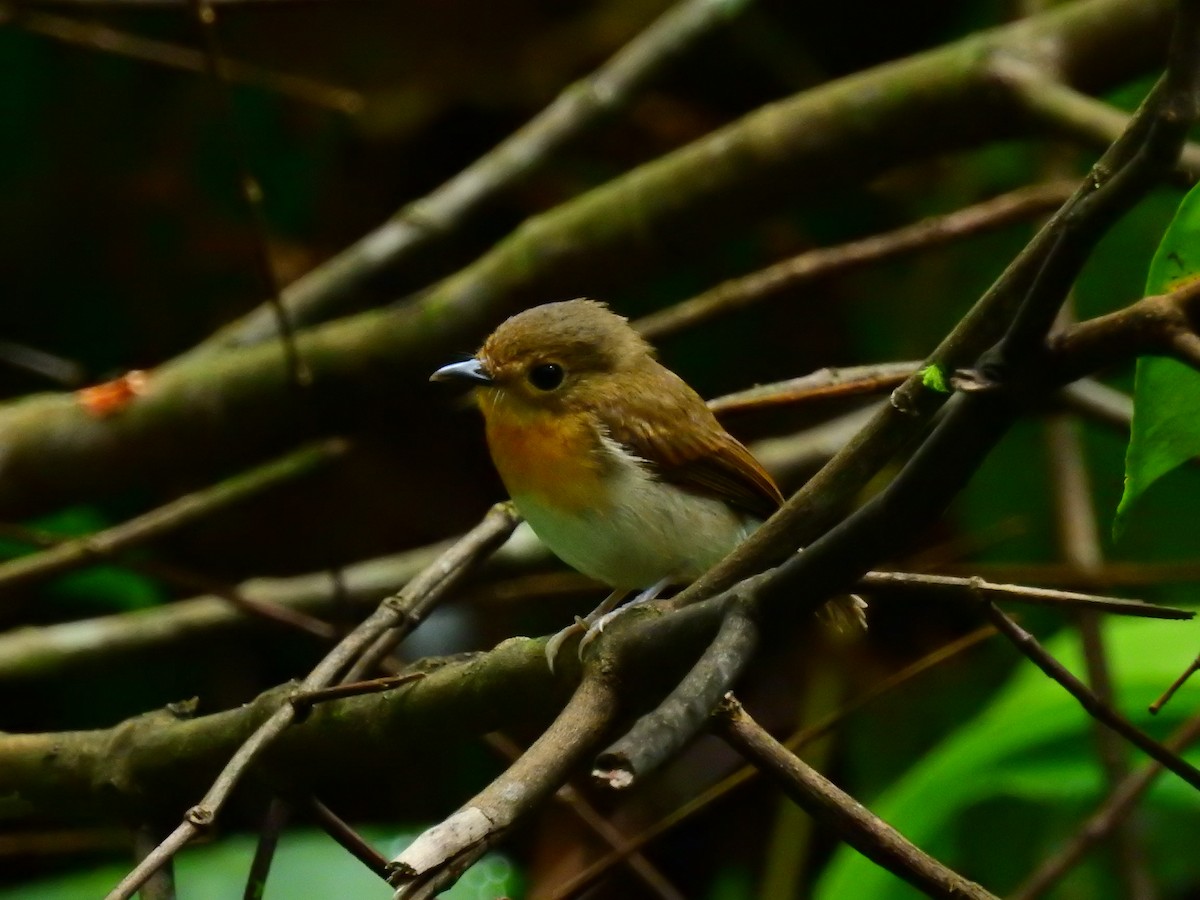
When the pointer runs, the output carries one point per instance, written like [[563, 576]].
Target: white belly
[[648, 531]]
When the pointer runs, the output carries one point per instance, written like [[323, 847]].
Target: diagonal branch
[[1088, 699], [588, 876], [535, 775], [436, 580], [421, 226], [661, 734], [1101, 823], [78, 552], [825, 262], [842, 132], [107, 39], [831, 806]]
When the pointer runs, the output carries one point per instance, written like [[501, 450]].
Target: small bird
[[618, 466]]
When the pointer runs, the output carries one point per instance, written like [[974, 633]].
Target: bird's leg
[[596, 627], [584, 625]]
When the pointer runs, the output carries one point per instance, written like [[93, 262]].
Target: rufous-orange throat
[[553, 457]]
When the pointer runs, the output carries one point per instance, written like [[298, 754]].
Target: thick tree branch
[[533, 777], [807, 733], [421, 226], [394, 612], [153, 766], [841, 132], [660, 735]]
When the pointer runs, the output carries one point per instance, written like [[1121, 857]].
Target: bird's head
[[559, 356]]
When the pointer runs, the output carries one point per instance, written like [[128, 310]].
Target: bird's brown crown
[[559, 385], [577, 335]]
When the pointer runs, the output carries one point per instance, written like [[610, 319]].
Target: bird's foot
[[596, 627], [554, 645], [581, 626]]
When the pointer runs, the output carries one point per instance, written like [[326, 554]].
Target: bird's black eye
[[546, 376]]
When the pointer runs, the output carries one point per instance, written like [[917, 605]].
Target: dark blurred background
[[124, 241]]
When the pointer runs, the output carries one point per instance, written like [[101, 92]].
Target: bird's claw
[[596, 629], [555, 644]]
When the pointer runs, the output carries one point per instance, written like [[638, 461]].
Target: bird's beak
[[471, 370]]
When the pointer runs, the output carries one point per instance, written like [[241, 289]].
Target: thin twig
[[162, 885], [1175, 686], [823, 384], [299, 374], [1093, 704], [416, 599], [1110, 575], [303, 702], [831, 806], [276, 818], [153, 862], [350, 839], [1016, 206], [959, 588], [78, 552], [107, 39], [1114, 810], [424, 224], [495, 527]]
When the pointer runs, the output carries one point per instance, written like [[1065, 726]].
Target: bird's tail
[[846, 614]]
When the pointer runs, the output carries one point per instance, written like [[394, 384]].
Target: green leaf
[[1166, 394], [1032, 746]]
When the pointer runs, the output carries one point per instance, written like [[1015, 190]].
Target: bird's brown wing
[[674, 431]]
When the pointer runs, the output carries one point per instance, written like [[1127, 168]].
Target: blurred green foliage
[[1011, 783], [306, 864]]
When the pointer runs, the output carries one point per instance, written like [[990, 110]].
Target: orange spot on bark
[[103, 400]]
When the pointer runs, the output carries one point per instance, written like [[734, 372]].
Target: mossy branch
[[812, 143]]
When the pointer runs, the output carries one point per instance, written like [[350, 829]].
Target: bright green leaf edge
[[1004, 752], [1165, 432]]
